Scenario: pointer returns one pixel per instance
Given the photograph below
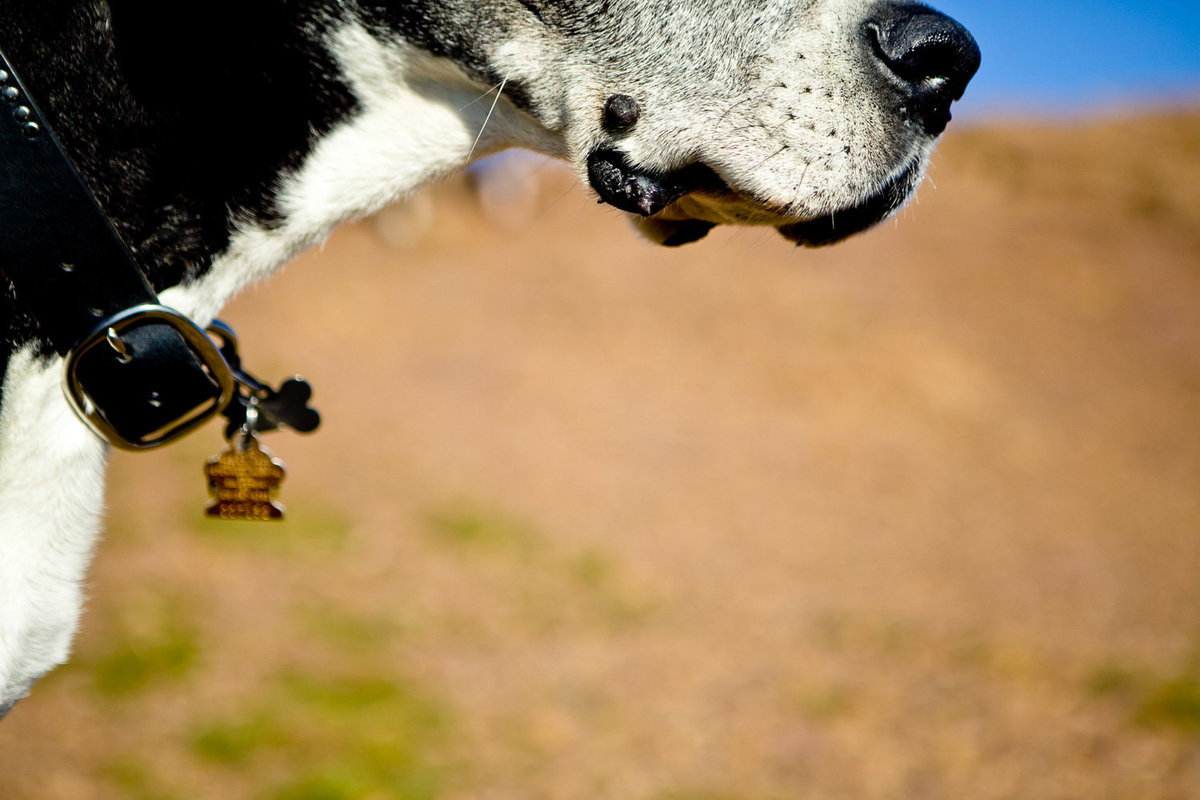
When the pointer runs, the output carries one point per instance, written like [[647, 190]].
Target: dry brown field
[[912, 518]]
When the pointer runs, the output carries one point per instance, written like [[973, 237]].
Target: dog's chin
[[674, 226], [875, 208], [672, 232]]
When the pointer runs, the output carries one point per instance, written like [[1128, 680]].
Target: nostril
[[931, 53], [928, 60]]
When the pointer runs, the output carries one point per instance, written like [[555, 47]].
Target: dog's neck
[[221, 138], [217, 160]]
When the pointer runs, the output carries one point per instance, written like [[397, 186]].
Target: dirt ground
[[913, 518]]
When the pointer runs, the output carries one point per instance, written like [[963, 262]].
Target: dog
[[223, 138]]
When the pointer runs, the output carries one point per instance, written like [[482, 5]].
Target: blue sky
[[1069, 56]]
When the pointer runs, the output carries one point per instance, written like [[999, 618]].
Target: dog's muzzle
[[923, 61]]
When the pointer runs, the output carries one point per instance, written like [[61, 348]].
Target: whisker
[[795, 206], [547, 207], [768, 158], [748, 98], [490, 89], [486, 119]]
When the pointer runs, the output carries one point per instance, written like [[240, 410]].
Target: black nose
[[930, 53]]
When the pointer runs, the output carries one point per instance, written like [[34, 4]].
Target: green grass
[[606, 591], [362, 634], [1163, 701], [555, 587], [234, 742], [826, 703], [368, 735], [1172, 703], [356, 778], [139, 660], [593, 571], [471, 527], [1110, 680], [309, 529], [135, 782], [702, 794]]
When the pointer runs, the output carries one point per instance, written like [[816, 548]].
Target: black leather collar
[[138, 373]]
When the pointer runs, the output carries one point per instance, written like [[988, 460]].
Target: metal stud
[[31, 129], [124, 355], [22, 113], [11, 94]]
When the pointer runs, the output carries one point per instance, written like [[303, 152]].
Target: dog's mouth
[[646, 193]]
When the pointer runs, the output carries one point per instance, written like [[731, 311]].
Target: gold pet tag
[[242, 480]]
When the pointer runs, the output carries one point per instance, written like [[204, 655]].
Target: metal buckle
[[109, 330]]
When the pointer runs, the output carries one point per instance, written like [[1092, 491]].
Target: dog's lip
[[875, 208], [643, 191]]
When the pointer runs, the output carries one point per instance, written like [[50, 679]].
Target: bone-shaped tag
[[289, 404]]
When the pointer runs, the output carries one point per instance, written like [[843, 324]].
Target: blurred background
[[914, 517]]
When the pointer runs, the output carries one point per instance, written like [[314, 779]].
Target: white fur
[[51, 494]]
